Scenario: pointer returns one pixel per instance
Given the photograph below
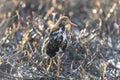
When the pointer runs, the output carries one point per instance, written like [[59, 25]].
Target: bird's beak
[[72, 24]]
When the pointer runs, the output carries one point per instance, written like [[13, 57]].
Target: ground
[[93, 52]]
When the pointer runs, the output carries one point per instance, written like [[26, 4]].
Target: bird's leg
[[59, 61], [58, 72], [48, 68]]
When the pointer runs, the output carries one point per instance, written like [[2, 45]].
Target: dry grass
[[94, 46]]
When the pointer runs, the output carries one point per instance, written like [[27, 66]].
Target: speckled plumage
[[57, 40], [56, 43]]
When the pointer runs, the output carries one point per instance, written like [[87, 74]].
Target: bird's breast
[[59, 36], [56, 43]]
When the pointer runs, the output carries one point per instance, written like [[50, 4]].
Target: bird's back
[[56, 42]]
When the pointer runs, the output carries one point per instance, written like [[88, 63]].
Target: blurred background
[[93, 52]]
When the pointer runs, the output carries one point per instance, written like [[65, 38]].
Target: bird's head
[[64, 20]]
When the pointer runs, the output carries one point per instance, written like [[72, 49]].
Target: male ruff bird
[[56, 42]]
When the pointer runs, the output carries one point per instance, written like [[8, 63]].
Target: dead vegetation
[[94, 46]]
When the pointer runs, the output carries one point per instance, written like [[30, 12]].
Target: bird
[[56, 43]]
